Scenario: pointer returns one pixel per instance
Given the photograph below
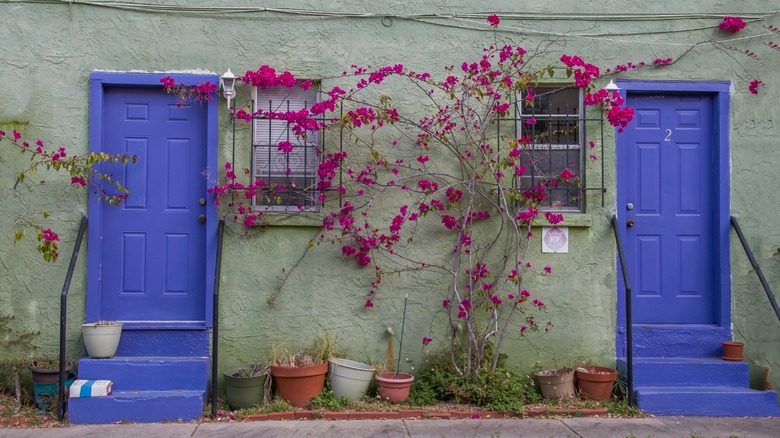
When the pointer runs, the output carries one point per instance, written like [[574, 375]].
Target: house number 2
[[668, 135]]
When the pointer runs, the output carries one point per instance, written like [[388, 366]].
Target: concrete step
[[137, 406], [721, 401], [148, 373], [686, 371]]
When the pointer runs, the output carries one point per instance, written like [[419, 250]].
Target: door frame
[[720, 91], [98, 81]]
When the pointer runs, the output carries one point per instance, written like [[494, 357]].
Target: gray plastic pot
[[349, 378]]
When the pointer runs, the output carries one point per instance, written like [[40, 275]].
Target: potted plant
[[395, 386], [246, 386], [45, 379], [595, 382], [300, 377], [349, 379], [101, 338], [556, 383]]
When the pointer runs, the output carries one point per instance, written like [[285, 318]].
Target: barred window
[[290, 178], [557, 144]]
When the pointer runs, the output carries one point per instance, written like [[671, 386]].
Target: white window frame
[[271, 165], [550, 114]]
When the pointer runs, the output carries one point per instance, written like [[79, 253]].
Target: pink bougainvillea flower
[[531, 121], [732, 24], [426, 340], [49, 235], [78, 180], [369, 303], [493, 20], [548, 269], [754, 86], [285, 147]]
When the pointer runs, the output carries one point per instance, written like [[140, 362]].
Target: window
[[290, 178], [556, 144]]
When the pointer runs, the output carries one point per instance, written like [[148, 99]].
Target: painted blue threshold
[[137, 406]]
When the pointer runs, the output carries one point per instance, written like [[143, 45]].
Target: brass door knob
[[202, 218]]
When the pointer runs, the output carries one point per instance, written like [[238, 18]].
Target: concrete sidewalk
[[566, 427]]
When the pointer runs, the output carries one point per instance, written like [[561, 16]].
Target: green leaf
[[550, 70]]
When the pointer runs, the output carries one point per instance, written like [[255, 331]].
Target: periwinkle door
[[152, 266], [667, 167]]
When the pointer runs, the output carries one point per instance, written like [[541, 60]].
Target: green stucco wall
[[48, 51]]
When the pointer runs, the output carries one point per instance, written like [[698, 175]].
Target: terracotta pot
[[298, 385], [556, 384], [595, 382], [732, 350], [394, 388]]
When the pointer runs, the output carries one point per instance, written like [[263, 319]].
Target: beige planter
[[101, 338]]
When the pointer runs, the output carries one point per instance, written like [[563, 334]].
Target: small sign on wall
[[555, 239]]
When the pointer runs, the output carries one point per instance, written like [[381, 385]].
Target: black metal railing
[[629, 322], [215, 331], [756, 268], [64, 318]]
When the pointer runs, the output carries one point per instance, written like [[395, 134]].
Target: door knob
[[630, 223], [202, 201], [202, 218]]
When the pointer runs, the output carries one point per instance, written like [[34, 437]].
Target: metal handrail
[[64, 319], [629, 322], [756, 268], [215, 332]]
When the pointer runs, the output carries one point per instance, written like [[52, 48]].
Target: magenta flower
[[78, 180], [548, 269], [493, 20], [285, 147], [369, 303], [733, 24], [49, 235], [426, 340], [754, 86]]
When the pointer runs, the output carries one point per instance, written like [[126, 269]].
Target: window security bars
[[557, 129], [290, 178]]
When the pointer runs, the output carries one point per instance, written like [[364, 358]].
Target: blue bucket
[[46, 393]]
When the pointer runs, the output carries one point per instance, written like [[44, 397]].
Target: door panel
[[666, 177], [153, 245]]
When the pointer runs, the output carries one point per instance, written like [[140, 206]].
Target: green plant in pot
[[247, 386]]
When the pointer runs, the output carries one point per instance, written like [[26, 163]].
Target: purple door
[[153, 249], [667, 167]]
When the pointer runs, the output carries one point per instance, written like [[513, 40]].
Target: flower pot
[[46, 392], [101, 339], [242, 388], [349, 379], [556, 384], [733, 350], [595, 383], [298, 385], [394, 387]]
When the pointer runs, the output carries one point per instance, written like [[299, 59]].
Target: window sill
[[583, 220], [283, 219]]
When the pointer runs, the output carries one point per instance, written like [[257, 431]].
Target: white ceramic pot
[[101, 338], [349, 379]]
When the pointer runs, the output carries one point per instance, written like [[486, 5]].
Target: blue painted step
[[145, 389], [698, 387], [137, 406], [170, 343], [148, 373], [686, 371], [708, 401]]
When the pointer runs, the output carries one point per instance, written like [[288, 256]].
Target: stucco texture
[[49, 49]]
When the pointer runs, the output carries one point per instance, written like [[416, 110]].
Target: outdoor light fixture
[[611, 86], [228, 82]]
